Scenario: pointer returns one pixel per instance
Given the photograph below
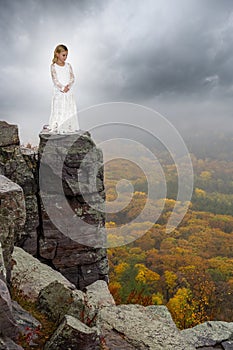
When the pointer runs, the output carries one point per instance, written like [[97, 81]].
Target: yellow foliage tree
[[146, 276], [119, 269], [171, 282], [182, 309], [206, 175], [199, 192], [157, 299], [114, 288]]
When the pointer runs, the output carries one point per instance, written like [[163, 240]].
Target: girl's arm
[[71, 82], [55, 79]]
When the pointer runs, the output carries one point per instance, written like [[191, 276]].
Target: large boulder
[[7, 322], [8, 344], [12, 216], [227, 345], [57, 299], [211, 333], [111, 340], [8, 134], [97, 296], [30, 276], [142, 328], [73, 334], [27, 325]]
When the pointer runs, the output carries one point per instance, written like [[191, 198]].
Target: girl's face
[[61, 57]]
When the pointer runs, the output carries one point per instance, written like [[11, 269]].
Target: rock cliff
[[66, 177], [72, 196]]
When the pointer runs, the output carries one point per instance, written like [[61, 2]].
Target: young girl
[[63, 116]]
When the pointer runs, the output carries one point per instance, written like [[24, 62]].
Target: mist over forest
[[215, 145]]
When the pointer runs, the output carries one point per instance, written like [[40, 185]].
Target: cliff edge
[[64, 198]]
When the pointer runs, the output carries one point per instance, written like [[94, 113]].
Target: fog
[[174, 56]]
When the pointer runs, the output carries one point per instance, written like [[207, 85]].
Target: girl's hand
[[66, 88]]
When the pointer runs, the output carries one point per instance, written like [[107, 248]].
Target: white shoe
[[46, 128]]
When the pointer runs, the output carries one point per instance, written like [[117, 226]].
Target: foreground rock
[[2, 265], [30, 276], [8, 344], [210, 334], [57, 300], [7, 322], [91, 315], [73, 334], [8, 134], [142, 328], [12, 216], [27, 325], [97, 296]]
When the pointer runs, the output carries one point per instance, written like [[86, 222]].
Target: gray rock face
[[22, 318], [57, 299], [12, 216], [26, 323], [17, 167], [209, 333], [227, 345], [162, 312], [141, 328], [73, 334], [114, 341], [97, 296], [211, 348], [72, 202], [8, 134], [30, 276], [2, 265], [8, 344], [72, 184], [7, 322]]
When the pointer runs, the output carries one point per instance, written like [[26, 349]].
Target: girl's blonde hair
[[58, 49]]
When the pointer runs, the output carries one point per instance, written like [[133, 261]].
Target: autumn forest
[[190, 270]]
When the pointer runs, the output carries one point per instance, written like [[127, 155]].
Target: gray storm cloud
[[174, 56]]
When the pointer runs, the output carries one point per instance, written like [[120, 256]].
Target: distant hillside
[[215, 145]]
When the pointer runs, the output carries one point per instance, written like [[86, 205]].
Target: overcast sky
[[175, 56]]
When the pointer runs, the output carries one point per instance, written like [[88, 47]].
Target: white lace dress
[[63, 117]]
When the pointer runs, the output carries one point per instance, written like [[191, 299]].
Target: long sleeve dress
[[63, 117]]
